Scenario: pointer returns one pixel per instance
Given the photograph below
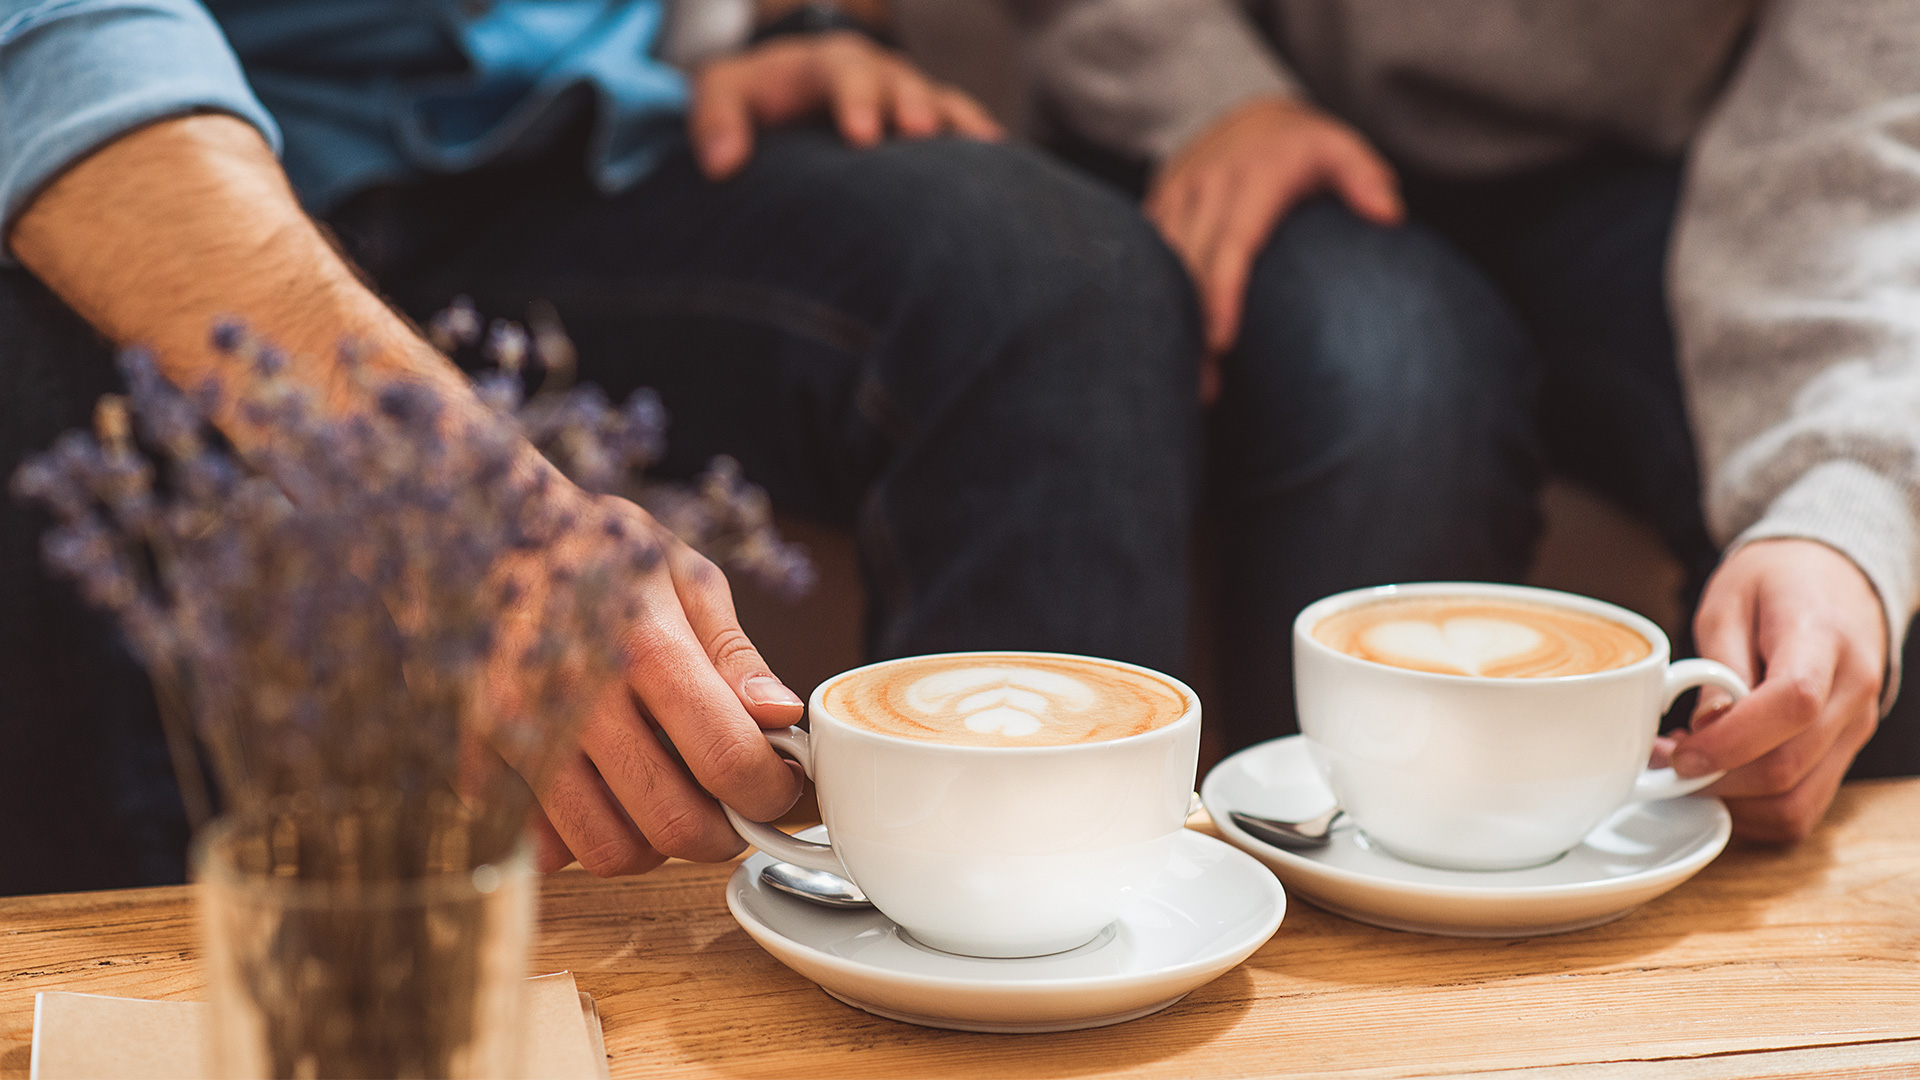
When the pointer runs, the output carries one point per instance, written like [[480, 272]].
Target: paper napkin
[[90, 1036]]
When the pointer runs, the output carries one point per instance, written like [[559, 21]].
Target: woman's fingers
[[1787, 704], [1800, 621], [1364, 181], [1790, 815], [1222, 195]]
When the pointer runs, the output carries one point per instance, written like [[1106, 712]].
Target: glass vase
[[325, 961]]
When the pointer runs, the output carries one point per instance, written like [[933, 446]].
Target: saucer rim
[[1682, 867], [747, 873], [995, 1027]]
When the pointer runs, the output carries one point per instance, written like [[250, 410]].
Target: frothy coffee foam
[[1004, 700], [1502, 639]]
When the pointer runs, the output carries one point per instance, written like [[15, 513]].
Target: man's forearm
[[158, 235]]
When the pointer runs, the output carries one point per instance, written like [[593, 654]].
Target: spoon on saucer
[[817, 886], [1305, 835], [834, 891]]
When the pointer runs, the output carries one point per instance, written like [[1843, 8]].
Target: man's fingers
[[856, 94], [680, 687], [707, 600], [591, 824], [966, 116], [675, 816], [1365, 182], [916, 111], [549, 851], [720, 124]]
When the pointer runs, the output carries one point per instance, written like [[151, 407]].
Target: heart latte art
[[1479, 636], [1004, 700]]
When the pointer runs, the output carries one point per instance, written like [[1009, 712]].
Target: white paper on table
[[95, 1037]]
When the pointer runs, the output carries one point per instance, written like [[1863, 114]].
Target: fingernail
[[767, 690], [1691, 763]]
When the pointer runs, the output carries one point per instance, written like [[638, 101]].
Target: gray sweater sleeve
[[76, 74], [1796, 291], [1143, 77]]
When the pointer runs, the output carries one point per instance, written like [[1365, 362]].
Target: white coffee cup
[[1484, 773], [995, 851]]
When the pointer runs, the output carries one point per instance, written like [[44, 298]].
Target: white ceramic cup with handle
[[1479, 772], [994, 851]]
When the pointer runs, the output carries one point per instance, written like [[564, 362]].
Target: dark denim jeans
[[979, 361], [1398, 394]]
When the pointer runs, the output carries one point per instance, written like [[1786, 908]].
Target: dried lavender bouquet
[[365, 620]]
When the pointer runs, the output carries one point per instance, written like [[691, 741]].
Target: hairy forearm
[[159, 235]]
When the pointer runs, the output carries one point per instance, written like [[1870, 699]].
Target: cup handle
[[791, 743], [1656, 784]]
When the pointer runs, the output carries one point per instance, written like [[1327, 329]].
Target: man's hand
[[867, 89], [1805, 628], [1219, 198], [683, 718], [160, 233]]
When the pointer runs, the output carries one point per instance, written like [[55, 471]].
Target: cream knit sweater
[[1795, 273]]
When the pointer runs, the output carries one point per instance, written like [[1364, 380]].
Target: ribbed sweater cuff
[[1869, 519], [1208, 95]]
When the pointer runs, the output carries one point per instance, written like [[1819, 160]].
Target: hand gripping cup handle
[[1656, 784], [793, 743]]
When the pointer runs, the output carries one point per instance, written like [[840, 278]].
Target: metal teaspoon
[[1292, 835], [817, 886]]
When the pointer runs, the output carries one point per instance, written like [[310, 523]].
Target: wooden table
[[1770, 963]]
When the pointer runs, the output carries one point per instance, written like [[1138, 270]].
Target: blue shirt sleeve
[[76, 74]]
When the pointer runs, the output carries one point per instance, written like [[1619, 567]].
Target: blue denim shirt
[[351, 93]]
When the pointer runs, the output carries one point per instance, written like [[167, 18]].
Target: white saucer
[[1640, 852], [1211, 910]]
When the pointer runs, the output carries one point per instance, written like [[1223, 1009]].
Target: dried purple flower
[[228, 335], [456, 326], [507, 346], [332, 607]]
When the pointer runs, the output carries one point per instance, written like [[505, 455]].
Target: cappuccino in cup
[[1033, 700], [995, 804], [1483, 636], [1486, 727]]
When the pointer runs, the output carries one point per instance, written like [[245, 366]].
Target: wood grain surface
[[1802, 962]]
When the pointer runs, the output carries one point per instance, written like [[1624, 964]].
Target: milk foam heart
[[992, 700], [1475, 635], [1464, 644]]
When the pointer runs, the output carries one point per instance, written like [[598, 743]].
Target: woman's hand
[[1219, 199], [1805, 628]]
